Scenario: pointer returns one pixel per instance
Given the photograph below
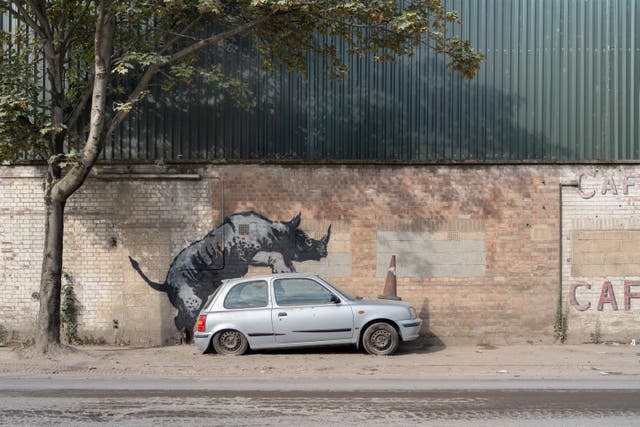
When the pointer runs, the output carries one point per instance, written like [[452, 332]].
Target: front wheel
[[380, 339], [230, 342]]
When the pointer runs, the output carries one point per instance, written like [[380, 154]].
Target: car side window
[[300, 292], [247, 295]]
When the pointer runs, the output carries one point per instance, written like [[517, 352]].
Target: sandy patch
[[515, 361]]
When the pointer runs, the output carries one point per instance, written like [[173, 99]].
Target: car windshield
[[347, 295]]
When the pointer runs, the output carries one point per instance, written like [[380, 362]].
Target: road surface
[[389, 402]]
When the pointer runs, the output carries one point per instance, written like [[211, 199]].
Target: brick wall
[[106, 221], [601, 260], [478, 247], [21, 234]]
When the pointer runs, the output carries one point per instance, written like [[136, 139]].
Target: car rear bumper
[[202, 341], [410, 329]]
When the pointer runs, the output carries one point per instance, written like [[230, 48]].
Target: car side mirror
[[335, 299]]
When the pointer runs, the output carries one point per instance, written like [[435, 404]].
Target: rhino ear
[[295, 221]]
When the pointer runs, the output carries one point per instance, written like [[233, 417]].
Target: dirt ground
[[416, 362]]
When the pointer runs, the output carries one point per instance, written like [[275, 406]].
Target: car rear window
[[247, 295], [211, 298]]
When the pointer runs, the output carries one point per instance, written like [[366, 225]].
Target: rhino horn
[[325, 238]]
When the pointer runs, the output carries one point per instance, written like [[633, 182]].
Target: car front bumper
[[410, 329], [202, 341]]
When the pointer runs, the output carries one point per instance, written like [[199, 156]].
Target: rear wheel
[[380, 339], [230, 342]]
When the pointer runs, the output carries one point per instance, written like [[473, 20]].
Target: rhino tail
[[161, 287]]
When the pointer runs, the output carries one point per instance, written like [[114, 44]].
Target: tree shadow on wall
[[204, 121], [418, 110], [413, 110]]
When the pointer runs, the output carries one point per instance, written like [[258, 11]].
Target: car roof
[[269, 277]]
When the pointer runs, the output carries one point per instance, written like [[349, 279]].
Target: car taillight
[[202, 320]]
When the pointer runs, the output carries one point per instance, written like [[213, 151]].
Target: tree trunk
[[51, 276], [60, 185]]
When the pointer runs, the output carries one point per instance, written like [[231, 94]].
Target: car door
[[248, 309], [306, 311]]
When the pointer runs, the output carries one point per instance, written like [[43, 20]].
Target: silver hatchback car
[[296, 310]]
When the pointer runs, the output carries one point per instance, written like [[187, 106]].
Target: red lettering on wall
[[584, 194], [607, 296], [628, 294], [626, 183], [572, 296], [609, 184]]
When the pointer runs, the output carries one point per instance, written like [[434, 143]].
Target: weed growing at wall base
[[596, 335], [91, 340], [69, 310], [3, 334], [561, 323]]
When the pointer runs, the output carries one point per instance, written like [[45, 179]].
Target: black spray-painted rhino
[[242, 240]]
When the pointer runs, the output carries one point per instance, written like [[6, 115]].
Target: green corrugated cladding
[[559, 83]]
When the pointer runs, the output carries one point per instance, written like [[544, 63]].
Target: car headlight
[[412, 312]]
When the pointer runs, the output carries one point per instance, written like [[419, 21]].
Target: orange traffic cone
[[390, 291]]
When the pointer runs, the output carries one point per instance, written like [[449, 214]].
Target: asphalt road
[[47, 402]]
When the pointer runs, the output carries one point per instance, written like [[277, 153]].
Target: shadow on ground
[[422, 345]]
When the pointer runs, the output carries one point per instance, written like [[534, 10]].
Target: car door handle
[[282, 314]]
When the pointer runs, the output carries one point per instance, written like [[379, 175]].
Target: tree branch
[[178, 36], [76, 22], [38, 10], [62, 24], [104, 36], [22, 15], [136, 94], [80, 105]]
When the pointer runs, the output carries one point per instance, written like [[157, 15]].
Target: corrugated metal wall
[[560, 83]]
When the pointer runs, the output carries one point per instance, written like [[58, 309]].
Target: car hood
[[380, 301]]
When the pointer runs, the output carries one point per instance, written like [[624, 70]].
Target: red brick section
[[514, 301]]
